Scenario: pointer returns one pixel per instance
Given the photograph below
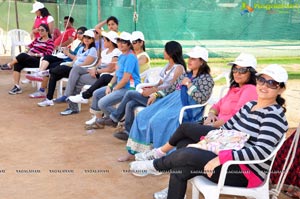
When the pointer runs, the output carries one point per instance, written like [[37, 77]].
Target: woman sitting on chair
[[264, 120], [154, 125], [38, 48]]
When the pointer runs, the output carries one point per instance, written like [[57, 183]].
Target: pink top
[[235, 98], [41, 20]]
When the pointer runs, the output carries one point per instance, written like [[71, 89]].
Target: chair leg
[[195, 192]]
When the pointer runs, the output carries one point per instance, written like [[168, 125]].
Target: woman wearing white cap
[[138, 43], [42, 17], [86, 55], [264, 120], [154, 125], [105, 98]]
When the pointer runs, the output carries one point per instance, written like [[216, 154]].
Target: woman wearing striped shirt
[[38, 48], [264, 120]]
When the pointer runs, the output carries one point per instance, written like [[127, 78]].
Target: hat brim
[[33, 11], [241, 64]]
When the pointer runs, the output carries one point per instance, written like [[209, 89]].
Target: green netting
[[225, 27]]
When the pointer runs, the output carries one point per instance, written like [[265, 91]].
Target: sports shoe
[[25, 81], [123, 135], [110, 122], [5, 67], [45, 103], [68, 111], [148, 155], [91, 121], [38, 94], [15, 90], [61, 99], [78, 99], [38, 76], [143, 168], [162, 194]]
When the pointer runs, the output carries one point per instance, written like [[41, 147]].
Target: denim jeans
[[130, 101], [106, 103]]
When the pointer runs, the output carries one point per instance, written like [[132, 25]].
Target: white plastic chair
[[211, 190], [18, 38], [34, 70], [2, 46]]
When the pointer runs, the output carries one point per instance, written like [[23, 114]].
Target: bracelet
[[110, 85], [213, 111]]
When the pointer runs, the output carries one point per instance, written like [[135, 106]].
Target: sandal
[[95, 125]]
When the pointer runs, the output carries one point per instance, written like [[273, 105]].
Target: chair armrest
[[189, 107], [140, 86], [67, 63]]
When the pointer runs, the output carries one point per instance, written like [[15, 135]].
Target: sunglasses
[[240, 70], [136, 41], [87, 37], [41, 30], [79, 33], [272, 84], [122, 41]]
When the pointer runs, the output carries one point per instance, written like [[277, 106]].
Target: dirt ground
[[45, 155]]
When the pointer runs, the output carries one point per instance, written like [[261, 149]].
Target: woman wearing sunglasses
[[31, 59], [264, 120]]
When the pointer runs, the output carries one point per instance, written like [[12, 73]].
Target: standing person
[[86, 55], [264, 120], [155, 124], [132, 99], [242, 90], [67, 37], [42, 17], [38, 48], [106, 97]]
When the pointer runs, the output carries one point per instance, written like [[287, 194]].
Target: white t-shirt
[[107, 57]]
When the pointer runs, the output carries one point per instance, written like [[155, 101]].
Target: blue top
[[74, 52], [81, 55], [128, 63]]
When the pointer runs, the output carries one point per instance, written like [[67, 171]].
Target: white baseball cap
[[125, 36], [198, 52], [137, 35], [245, 60], [111, 35], [89, 33], [277, 72], [36, 6]]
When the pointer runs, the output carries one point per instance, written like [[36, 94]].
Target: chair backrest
[[19, 37]]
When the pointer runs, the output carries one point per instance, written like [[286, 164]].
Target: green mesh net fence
[[225, 27]]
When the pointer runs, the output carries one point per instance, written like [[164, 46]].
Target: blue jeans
[[130, 101], [105, 103]]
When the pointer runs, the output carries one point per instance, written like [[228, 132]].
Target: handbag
[[220, 139]]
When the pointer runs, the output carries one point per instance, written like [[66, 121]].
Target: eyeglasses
[[122, 41], [272, 84], [41, 30], [136, 41], [87, 37], [240, 70], [79, 33]]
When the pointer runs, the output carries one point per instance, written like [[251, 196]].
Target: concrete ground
[[45, 155]]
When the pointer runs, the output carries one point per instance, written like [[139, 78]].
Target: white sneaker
[[148, 155], [91, 121], [38, 94], [45, 103], [143, 168], [78, 99], [25, 81], [163, 194]]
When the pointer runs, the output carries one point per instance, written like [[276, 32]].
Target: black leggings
[[186, 163], [102, 81], [26, 61], [53, 61]]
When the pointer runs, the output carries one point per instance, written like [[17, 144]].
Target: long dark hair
[[46, 28], [252, 79], [44, 12], [174, 50], [204, 68], [112, 18], [280, 100]]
